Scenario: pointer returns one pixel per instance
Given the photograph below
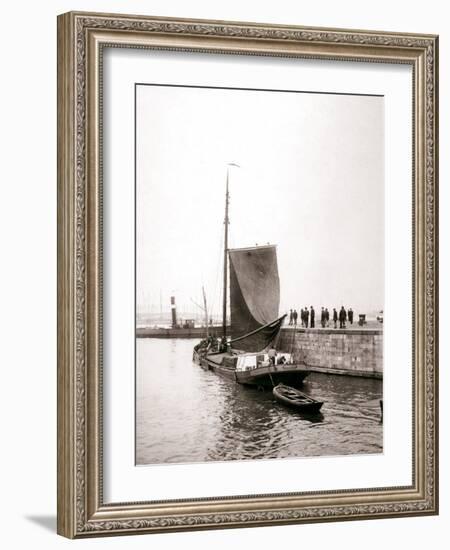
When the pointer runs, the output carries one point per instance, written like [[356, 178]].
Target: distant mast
[[205, 306], [225, 253]]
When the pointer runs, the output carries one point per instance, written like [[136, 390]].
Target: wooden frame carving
[[81, 36]]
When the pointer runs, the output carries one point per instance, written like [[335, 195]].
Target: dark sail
[[254, 297]]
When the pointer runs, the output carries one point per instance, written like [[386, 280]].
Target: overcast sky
[[311, 181]]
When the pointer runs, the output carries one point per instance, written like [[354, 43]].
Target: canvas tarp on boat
[[254, 297]]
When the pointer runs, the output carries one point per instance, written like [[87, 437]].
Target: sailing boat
[[249, 355]]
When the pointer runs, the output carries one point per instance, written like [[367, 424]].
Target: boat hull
[[291, 374], [296, 400]]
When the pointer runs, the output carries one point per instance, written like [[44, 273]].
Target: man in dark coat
[[291, 317], [323, 318], [313, 318], [342, 317], [306, 316], [350, 316], [294, 317], [327, 316], [335, 317], [302, 317]]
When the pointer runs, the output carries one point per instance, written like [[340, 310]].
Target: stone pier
[[354, 352]]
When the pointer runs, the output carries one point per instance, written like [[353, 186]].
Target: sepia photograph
[[259, 273]]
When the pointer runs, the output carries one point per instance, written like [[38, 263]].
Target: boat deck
[[259, 376]]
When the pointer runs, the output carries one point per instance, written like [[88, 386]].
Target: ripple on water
[[185, 414]]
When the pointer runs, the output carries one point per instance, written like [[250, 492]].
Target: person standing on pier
[[342, 317], [313, 318], [291, 318], [335, 317], [302, 317], [323, 317], [306, 316], [327, 317], [294, 317], [350, 316]]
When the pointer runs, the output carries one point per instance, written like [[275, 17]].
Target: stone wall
[[352, 352]]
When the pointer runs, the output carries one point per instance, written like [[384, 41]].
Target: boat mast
[[225, 261], [225, 252]]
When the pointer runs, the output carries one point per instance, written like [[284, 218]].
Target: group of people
[[212, 344], [308, 317], [274, 358]]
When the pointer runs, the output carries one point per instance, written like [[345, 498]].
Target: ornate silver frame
[[81, 37]]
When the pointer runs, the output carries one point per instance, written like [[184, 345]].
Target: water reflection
[[186, 414]]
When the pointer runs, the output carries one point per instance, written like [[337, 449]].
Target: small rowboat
[[294, 398]]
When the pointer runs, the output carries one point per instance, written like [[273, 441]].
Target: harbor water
[[185, 414]]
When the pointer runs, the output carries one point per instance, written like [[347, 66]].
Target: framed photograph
[[247, 274]]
